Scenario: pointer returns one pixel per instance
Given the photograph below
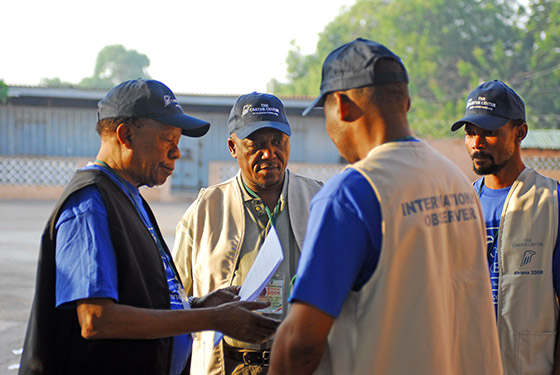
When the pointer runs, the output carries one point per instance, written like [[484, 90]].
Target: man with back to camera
[[222, 231], [387, 283], [108, 299], [521, 212]]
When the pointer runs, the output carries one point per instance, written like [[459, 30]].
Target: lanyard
[[497, 231], [122, 181], [271, 216], [404, 139], [140, 212]]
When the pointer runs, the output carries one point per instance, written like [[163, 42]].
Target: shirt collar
[[248, 197]]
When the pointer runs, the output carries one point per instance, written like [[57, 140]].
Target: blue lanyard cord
[[152, 231], [271, 216], [404, 139], [122, 180]]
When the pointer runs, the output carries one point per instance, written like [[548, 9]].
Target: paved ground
[[21, 225]]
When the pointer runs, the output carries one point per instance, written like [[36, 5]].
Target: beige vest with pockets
[[427, 309], [527, 305]]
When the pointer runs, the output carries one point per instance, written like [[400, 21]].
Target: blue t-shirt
[[342, 243], [86, 266], [492, 201], [85, 257]]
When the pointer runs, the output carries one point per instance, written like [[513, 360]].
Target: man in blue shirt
[[521, 212], [386, 283], [108, 298]]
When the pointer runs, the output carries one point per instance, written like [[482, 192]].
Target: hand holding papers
[[266, 263]]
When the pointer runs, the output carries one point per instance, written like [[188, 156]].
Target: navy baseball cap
[[352, 66], [255, 111], [149, 99], [492, 105]]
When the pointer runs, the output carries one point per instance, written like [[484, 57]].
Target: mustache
[[481, 154], [268, 165]]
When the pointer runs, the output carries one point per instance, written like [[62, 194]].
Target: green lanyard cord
[[480, 188], [497, 231], [271, 216]]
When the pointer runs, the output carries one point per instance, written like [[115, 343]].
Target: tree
[[449, 47], [56, 82], [3, 92], [115, 64], [538, 82]]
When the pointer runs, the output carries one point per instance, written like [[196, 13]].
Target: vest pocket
[[536, 352]]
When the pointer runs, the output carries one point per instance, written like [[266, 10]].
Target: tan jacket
[[427, 309], [527, 304], [208, 243]]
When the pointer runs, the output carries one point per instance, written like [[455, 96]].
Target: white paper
[[266, 263]]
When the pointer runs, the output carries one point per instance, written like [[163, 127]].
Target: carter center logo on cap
[[264, 109], [246, 109], [480, 103], [168, 100]]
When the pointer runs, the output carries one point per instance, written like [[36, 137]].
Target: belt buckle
[[246, 359], [264, 356]]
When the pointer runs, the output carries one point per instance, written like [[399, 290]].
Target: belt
[[247, 356]]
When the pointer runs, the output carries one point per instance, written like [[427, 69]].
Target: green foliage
[[115, 64], [3, 92], [448, 47], [56, 82], [538, 82]]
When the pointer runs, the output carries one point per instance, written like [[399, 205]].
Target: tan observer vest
[[427, 309], [208, 243], [527, 304]]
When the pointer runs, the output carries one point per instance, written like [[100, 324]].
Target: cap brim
[[482, 121], [246, 131], [189, 125], [316, 104]]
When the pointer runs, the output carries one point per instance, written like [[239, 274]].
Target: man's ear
[[342, 105], [232, 147], [125, 134], [521, 132], [348, 110]]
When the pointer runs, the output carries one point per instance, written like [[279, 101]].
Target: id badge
[[273, 293]]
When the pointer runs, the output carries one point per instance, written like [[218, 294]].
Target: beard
[[493, 168]]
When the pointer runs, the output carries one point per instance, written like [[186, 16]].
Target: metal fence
[[57, 171], [29, 171], [543, 163]]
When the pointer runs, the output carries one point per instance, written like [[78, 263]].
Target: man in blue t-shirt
[[108, 298], [521, 212], [384, 281]]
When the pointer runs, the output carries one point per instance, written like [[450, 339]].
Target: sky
[[195, 47]]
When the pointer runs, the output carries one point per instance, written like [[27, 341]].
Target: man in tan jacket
[[221, 233]]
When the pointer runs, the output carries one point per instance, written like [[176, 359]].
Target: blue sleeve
[[85, 258], [342, 243], [556, 256]]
